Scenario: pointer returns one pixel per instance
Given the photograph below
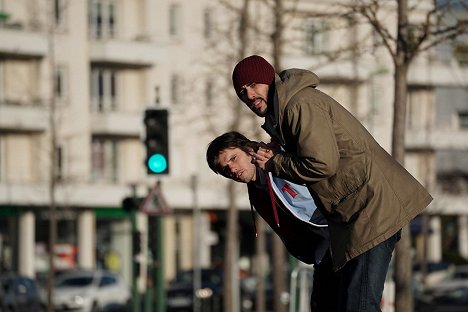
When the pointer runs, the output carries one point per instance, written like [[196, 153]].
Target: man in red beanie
[[365, 195]]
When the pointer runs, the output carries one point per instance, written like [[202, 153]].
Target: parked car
[[90, 291], [452, 298], [448, 295], [19, 293], [460, 272], [249, 294], [180, 291], [435, 272]]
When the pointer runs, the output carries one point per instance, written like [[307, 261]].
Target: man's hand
[[263, 154]]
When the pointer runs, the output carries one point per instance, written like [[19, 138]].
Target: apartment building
[[76, 77]]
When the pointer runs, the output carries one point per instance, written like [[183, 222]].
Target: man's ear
[[252, 146], [249, 150]]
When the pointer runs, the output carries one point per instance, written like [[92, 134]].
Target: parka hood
[[287, 84], [294, 80]]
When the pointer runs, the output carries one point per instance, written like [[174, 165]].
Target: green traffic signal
[[157, 140], [157, 163]]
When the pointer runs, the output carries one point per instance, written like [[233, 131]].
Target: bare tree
[[236, 24], [279, 251], [238, 30], [410, 40], [53, 156]]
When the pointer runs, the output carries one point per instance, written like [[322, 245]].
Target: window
[[463, 120], [376, 40], [209, 92], [75, 281], [107, 280], [2, 158], [102, 21], [59, 13], [60, 87], [208, 23], [104, 160], [420, 108], [461, 54], [174, 20], [175, 89], [59, 158], [104, 97], [2, 81], [315, 32]]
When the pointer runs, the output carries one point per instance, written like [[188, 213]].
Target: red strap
[[287, 188]]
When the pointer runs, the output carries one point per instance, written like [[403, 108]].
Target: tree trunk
[[229, 252], [53, 161], [403, 272], [279, 273], [279, 252], [260, 262], [231, 276]]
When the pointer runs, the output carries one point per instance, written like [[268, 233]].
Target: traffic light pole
[[156, 292], [136, 304], [159, 270]]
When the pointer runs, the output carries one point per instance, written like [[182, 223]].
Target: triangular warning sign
[[155, 203]]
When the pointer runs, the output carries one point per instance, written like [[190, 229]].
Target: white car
[[90, 291]]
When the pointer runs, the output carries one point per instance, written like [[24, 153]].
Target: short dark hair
[[232, 139]]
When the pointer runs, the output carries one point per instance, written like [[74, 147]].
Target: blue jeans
[[358, 286]]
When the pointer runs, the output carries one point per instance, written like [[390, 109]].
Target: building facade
[[76, 77]]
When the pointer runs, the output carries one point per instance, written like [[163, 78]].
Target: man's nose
[[250, 93], [232, 169]]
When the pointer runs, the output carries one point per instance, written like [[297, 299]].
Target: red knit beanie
[[252, 69]]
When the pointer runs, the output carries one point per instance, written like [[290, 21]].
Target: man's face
[[237, 165], [255, 95]]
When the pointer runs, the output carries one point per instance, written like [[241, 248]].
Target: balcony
[[133, 54], [437, 139], [437, 75], [23, 118], [117, 124], [68, 195], [17, 43], [449, 204]]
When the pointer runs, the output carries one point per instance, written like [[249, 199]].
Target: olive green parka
[[364, 193]]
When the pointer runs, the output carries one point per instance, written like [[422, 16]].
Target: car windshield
[[209, 277], [81, 281]]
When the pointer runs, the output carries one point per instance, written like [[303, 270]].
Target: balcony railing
[[437, 139], [23, 117], [125, 53], [117, 124], [17, 43]]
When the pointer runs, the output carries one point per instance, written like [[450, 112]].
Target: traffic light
[[130, 204], [157, 141]]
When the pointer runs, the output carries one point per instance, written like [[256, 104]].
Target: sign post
[[155, 205]]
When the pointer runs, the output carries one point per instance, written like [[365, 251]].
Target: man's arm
[[308, 129]]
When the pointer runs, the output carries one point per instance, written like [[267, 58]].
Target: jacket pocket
[[347, 209]]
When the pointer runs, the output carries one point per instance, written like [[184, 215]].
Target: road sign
[[155, 203]]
